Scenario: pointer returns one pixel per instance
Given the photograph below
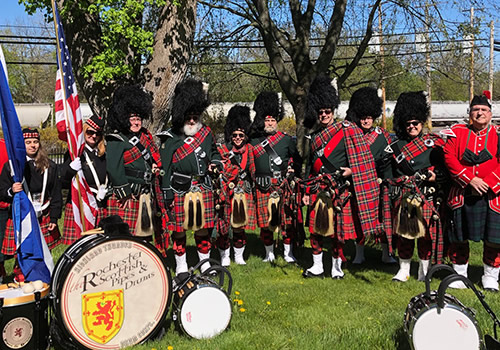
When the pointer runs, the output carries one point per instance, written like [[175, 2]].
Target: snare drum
[[430, 327], [201, 308], [24, 321], [110, 292]]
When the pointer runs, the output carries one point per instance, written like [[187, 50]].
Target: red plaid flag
[[70, 126]]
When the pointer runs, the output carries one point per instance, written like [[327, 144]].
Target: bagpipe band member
[[189, 155], [419, 186], [42, 185], [472, 155], [237, 186], [365, 107], [93, 164], [133, 165], [345, 193], [276, 162]]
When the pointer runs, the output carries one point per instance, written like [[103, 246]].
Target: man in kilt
[[189, 155], [42, 185], [276, 162], [419, 186], [365, 107], [472, 155], [237, 186], [133, 165], [342, 190], [93, 164]]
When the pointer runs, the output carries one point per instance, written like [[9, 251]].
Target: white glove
[[101, 193], [76, 164]]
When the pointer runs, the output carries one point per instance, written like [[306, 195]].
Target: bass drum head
[[112, 292], [451, 328], [205, 312]]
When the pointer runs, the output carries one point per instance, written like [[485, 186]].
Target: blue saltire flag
[[33, 254]]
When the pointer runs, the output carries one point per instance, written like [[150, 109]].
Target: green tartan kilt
[[475, 221]]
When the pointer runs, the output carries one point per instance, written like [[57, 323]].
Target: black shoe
[[491, 290], [308, 274]]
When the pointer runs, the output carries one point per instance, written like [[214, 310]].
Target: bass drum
[[430, 327], [201, 308], [109, 292]]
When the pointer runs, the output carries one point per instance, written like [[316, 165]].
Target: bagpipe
[[438, 320]]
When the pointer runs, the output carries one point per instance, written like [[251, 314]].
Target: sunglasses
[[238, 134], [326, 111], [93, 133], [413, 123]]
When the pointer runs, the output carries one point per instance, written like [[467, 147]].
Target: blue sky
[[11, 10]]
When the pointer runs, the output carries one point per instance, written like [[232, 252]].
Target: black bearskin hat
[[266, 104], [364, 102], [238, 118], [191, 97], [410, 106], [483, 100], [129, 101], [322, 94]]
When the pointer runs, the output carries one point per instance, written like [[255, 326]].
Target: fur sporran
[[239, 207], [409, 222], [144, 225], [273, 208], [194, 210], [323, 219]]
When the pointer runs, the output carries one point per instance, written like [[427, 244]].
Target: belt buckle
[[400, 157], [264, 143], [148, 176]]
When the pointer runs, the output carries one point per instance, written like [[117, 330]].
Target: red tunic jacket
[[463, 172]]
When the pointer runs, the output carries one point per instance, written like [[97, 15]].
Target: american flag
[[70, 127]]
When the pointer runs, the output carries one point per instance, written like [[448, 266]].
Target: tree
[[111, 43]]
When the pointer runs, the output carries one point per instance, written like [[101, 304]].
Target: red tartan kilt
[[208, 201], [128, 215], [53, 238], [345, 222], [262, 212], [69, 234]]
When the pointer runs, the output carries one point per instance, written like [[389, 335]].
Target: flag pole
[[70, 146]]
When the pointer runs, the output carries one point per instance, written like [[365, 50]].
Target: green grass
[[283, 310]]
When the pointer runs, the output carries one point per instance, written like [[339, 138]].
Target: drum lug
[[37, 300], [1, 308]]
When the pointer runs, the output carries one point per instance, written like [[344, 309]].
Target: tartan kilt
[[69, 234], [475, 221], [51, 237], [261, 201], [346, 224], [209, 203]]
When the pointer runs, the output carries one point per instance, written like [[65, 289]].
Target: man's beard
[[270, 129], [190, 130]]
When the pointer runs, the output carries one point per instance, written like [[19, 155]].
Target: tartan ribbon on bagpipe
[[146, 139], [434, 227], [259, 150], [195, 141], [420, 144]]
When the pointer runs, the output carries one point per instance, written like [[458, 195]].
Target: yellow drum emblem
[[102, 314]]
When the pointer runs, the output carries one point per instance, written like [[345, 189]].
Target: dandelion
[[170, 347], [236, 292], [268, 303], [240, 302], [242, 309]]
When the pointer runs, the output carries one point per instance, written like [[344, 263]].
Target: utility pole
[[382, 66], [428, 64], [471, 71], [492, 45]]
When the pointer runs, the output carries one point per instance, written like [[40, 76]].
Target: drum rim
[[24, 299], [94, 241], [447, 305], [176, 312]]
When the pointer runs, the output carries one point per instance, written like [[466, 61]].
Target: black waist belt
[[145, 175]]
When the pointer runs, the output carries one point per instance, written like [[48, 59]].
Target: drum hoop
[[178, 305], [93, 241], [456, 305], [25, 299]]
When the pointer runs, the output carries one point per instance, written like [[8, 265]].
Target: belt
[[275, 174], [145, 175]]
